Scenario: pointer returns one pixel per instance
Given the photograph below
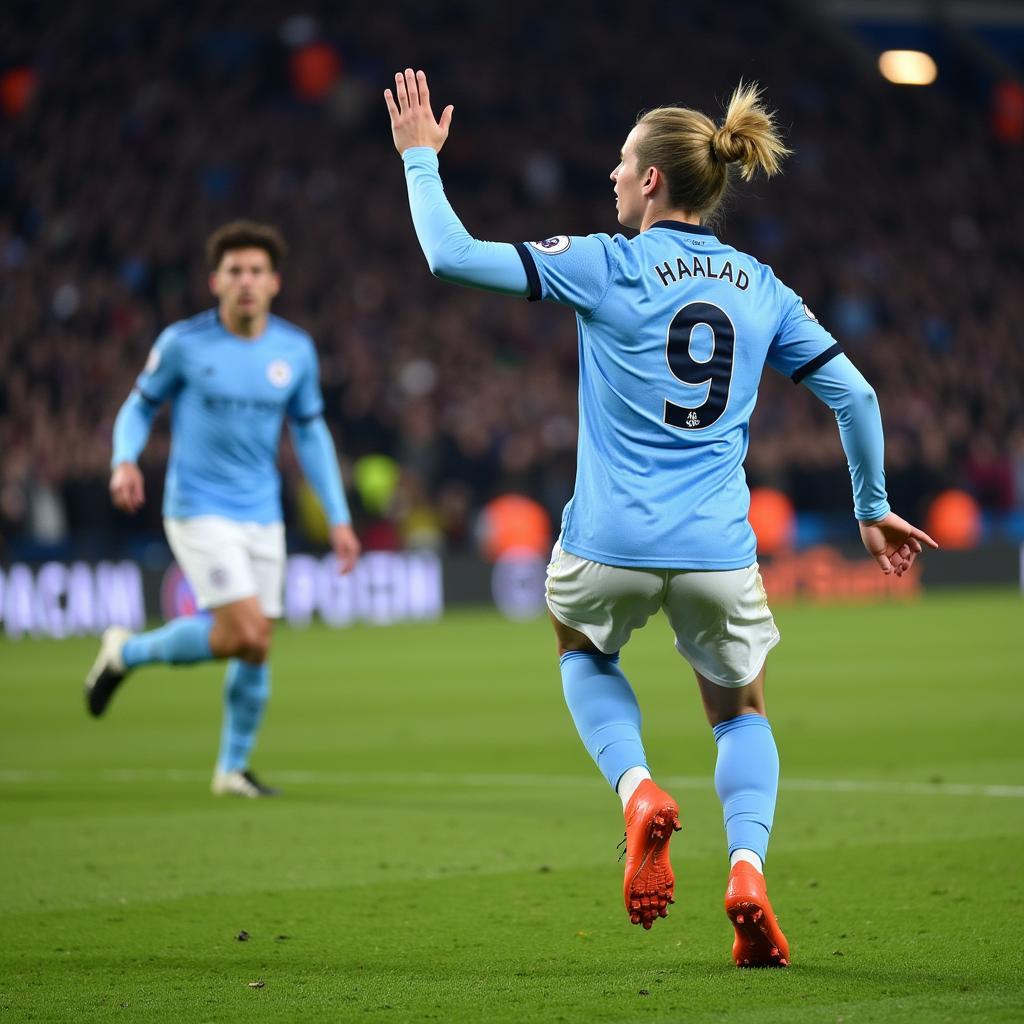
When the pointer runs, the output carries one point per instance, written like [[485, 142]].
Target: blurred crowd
[[134, 128]]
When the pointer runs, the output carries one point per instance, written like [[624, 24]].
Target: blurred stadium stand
[[132, 128]]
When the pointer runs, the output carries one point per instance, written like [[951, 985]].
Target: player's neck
[[247, 327], [653, 214]]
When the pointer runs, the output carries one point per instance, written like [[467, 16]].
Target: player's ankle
[[628, 782], [749, 856]]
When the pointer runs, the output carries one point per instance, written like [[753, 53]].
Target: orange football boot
[[651, 818], [759, 940]]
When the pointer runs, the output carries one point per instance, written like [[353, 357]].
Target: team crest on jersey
[[279, 373], [552, 246], [152, 361], [810, 315]]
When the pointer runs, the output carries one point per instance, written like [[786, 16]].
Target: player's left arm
[[315, 449], [574, 271], [452, 253]]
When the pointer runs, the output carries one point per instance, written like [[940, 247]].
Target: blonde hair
[[694, 154]]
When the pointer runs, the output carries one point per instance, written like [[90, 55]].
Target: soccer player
[[231, 374], [675, 327]]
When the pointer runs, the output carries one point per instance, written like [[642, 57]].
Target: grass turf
[[446, 851]]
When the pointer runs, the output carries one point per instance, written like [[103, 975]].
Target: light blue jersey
[[229, 397], [675, 328]]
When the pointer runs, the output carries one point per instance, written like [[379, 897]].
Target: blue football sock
[[181, 642], [604, 708], [246, 691], [747, 781]]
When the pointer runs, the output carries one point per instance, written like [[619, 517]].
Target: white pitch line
[[903, 788], [515, 781]]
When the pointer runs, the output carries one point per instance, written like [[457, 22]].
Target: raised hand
[[894, 543], [412, 120], [127, 490]]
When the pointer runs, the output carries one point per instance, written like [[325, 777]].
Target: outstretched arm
[[315, 449], [893, 542], [452, 253]]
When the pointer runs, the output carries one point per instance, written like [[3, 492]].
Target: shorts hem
[[580, 627], [221, 600], [747, 679]]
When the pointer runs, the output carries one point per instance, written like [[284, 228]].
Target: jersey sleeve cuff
[[532, 275], [873, 515], [817, 362], [425, 156]]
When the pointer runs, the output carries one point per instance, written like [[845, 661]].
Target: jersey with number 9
[[675, 328]]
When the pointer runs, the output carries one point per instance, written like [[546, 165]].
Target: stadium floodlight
[[907, 67]]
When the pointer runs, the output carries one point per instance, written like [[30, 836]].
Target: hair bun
[[693, 152], [730, 147], [748, 135]]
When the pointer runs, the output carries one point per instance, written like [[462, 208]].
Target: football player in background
[[675, 328], [232, 375]]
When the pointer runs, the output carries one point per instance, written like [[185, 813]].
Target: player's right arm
[[159, 379], [891, 541], [806, 352]]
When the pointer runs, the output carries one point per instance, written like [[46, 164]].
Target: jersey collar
[[239, 337], [678, 225]]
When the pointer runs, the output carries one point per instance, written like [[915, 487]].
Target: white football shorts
[[225, 560], [720, 618]]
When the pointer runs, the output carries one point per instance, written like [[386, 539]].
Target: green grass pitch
[[445, 850]]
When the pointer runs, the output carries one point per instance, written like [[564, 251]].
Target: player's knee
[[245, 637], [723, 703], [577, 647], [254, 640], [569, 641]]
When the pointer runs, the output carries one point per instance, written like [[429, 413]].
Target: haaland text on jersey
[[672, 272]]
